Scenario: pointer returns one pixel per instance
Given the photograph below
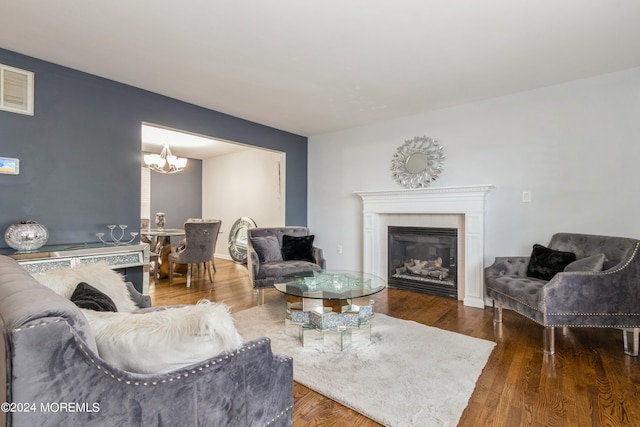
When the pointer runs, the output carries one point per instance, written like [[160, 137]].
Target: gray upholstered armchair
[[600, 289], [50, 358], [279, 251]]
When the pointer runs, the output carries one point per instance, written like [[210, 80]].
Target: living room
[[569, 143]]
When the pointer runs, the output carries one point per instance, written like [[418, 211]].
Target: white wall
[[575, 146], [249, 183]]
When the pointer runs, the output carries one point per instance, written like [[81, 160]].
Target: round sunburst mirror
[[417, 162]]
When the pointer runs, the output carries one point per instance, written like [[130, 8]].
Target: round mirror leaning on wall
[[238, 239], [417, 162]]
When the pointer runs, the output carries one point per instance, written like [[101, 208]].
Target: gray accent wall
[[178, 195], [80, 153]]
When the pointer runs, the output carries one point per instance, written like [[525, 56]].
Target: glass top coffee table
[[320, 306]]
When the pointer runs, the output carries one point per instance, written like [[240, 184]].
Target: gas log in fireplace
[[423, 259]]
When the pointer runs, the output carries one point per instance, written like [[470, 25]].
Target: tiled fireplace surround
[[450, 207]]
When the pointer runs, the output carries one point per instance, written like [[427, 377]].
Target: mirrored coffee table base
[[332, 325]]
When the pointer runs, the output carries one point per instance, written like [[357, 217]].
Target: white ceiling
[[185, 144], [317, 66]]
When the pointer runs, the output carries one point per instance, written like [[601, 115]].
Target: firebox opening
[[424, 259]]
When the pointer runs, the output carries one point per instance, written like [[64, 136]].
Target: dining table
[[162, 246]]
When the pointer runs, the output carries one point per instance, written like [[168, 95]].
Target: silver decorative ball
[[26, 236]]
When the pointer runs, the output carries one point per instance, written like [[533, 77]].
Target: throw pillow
[[86, 296], [545, 262], [591, 263], [166, 339], [297, 248], [63, 281], [267, 248]]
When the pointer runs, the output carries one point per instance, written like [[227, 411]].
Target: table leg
[[163, 247]]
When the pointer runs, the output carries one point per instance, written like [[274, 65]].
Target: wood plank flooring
[[588, 382]]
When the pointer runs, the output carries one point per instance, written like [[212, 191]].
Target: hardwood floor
[[588, 382]]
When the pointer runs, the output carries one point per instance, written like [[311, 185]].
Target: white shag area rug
[[408, 374]]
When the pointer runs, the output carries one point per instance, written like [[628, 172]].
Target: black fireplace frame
[[430, 286]]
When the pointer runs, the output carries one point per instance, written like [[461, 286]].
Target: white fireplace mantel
[[467, 201]]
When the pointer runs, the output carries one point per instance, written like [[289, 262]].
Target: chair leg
[[497, 312], [549, 340], [260, 296], [213, 262], [631, 341], [208, 267], [188, 275]]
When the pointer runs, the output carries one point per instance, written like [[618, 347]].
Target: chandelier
[[165, 162]]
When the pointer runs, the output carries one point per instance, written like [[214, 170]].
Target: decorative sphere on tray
[[26, 236]]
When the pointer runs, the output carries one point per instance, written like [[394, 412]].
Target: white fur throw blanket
[[148, 341], [152, 342], [63, 281]]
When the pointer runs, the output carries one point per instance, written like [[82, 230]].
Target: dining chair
[[201, 236]]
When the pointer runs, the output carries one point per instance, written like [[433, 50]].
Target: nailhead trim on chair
[[633, 255], [571, 313], [595, 314], [519, 302], [280, 415]]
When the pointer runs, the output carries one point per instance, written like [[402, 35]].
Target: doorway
[[222, 180]]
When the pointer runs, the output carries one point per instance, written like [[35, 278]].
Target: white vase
[[161, 219], [26, 236]]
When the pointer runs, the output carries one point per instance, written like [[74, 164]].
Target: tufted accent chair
[[609, 298], [264, 274]]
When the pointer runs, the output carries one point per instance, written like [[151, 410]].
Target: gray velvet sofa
[[53, 375], [600, 291], [264, 272]]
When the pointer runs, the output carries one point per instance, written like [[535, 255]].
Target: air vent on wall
[[16, 90]]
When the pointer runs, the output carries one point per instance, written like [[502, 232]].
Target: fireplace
[[423, 259], [444, 207]]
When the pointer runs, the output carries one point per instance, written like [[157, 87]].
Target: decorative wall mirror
[[417, 162], [238, 239]]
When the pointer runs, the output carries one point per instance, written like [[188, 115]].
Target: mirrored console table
[[128, 258]]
